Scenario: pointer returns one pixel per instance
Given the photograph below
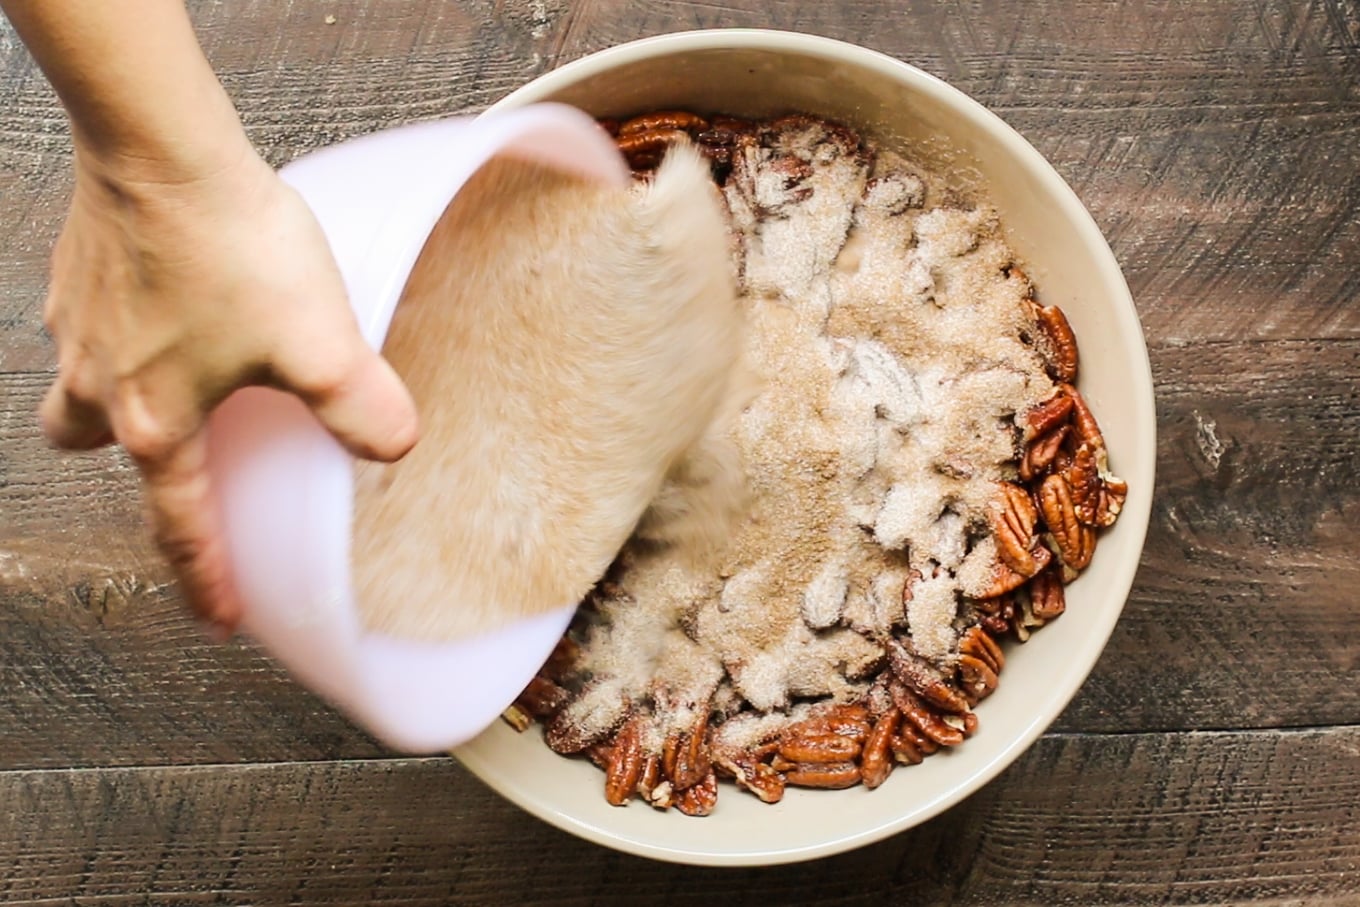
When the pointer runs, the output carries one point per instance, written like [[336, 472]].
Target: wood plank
[[1217, 152], [1251, 548], [1244, 603], [1175, 819]]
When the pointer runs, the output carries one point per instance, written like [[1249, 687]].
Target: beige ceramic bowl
[[761, 72]]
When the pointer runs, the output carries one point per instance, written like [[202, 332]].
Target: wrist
[[187, 143]]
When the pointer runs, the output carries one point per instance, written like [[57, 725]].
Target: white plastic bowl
[[286, 486], [746, 72]]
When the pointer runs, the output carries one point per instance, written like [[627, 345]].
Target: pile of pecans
[[1045, 525]]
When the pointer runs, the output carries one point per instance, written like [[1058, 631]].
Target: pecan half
[[905, 750], [910, 733], [1075, 542], [663, 119], [1047, 599], [751, 774], [1059, 342], [1040, 453], [846, 720], [996, 624], [996, 613], [834, 776], [650, 778], [599, 754], [1085, 425], [568, 733], [1013, 520], [542, 698], [650, 144], [977, 643], [818, 748], [917, 676], [626, 764], [562, 662], [1113, 492], [1048, 415], [927, 722], [1084, 479], [661, 796], [876, 762], [685, 755], [976, 676], [516, 718], [1005, 579], [699, 799]]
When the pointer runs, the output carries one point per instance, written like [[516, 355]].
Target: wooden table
[[1212, 758]]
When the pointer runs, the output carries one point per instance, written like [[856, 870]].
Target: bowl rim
[[1134, 518]]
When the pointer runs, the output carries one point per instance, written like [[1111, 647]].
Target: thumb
[[360, 400]]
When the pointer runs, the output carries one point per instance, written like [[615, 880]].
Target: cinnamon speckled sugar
[[885, 330]]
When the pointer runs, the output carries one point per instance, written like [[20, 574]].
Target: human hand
[[171, 290]]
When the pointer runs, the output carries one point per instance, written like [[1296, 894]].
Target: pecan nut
[[542, 698], [1013, 520], [1048, 415], [650, 778], [931, 725], [876, 762], [599, 754], [910, 733], [1041, 452], [685, 756], [832, 776], [976, 676], [562, 662], [626, 764], [1047, 599], [916, 675], [1084, 479], [818, 748], [846, 720], [593, 715], [1060, 344], [1113, 492], [699, 798], [517, 718], [906, 751], [1005, 579], [977, 643], [753, 775], [1085, 425], [646, 148], [1075, 542], [663, 119]]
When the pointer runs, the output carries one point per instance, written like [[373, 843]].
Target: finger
[[187, 526], [72, 423], [360, 400]]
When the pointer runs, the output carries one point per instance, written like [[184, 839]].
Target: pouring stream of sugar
[[568, 342]]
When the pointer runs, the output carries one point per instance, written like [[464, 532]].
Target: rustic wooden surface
[[1212, 758]]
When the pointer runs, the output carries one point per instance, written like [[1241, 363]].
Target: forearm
[[134, 81]]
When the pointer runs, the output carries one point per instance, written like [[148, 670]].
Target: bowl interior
[[751, 73]]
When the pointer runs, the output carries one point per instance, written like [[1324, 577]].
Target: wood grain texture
[[1176, 819]]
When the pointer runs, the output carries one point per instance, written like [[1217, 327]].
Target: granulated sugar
[[887, 339]]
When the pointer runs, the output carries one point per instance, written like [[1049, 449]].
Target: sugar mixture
[[886, 330]]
